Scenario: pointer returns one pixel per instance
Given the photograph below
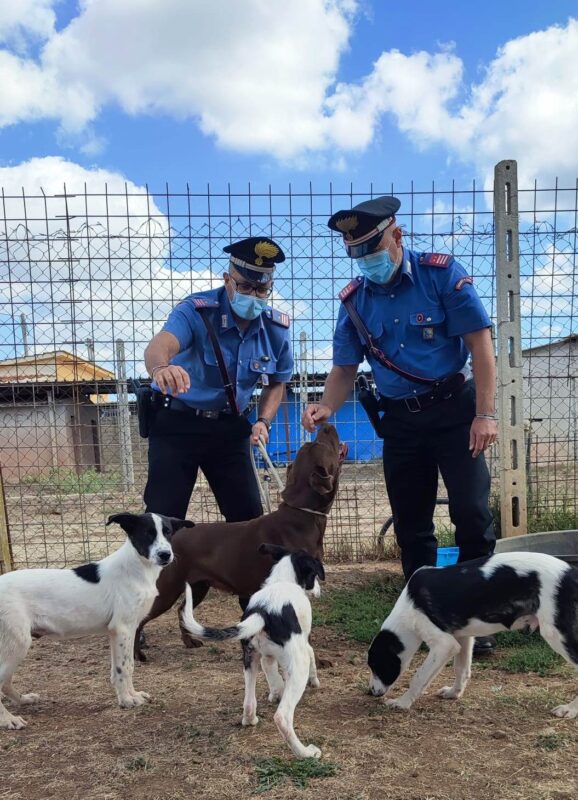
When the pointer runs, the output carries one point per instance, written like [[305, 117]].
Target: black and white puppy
[[446, 608], [109, 596], [275, 627]]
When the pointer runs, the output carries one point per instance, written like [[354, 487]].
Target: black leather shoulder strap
[[227, 383]]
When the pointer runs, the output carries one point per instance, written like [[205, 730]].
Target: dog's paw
[[190, 643], [311, 752], [12, 723], [29, 699], [568, 711], [134, 700], [399, 703], [449, 693], [314, 682], [248, 721]]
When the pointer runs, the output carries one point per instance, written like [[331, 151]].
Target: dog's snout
[[376, 687], [164, 557]]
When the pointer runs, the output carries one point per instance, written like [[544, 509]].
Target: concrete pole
[[514, 512]]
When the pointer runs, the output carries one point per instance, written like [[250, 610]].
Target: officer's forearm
[[481, 347], [270, 400], [338, 385], [160, 350]]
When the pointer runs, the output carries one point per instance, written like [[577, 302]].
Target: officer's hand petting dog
[[314, 415]]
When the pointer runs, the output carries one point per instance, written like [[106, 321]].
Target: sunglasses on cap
[[363, 245]]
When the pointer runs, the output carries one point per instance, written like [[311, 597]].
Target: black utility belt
[[441, 391], [169, 403]]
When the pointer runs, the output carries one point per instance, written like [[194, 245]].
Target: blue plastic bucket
[[447, 556]]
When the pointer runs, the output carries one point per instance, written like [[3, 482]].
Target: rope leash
[[271, 469]]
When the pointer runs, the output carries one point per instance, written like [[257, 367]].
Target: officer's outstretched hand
[[315, 414], [172, 379], [259, 430], [483, 434]]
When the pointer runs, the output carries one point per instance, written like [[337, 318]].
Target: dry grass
[[499, 741]]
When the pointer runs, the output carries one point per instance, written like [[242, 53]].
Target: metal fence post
[[5, 548], [513, 500], [124, 433]]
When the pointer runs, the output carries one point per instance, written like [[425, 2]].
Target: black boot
[[483, 645]]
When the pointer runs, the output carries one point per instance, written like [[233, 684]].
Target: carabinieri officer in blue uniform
[[193, 425], [418, 321]]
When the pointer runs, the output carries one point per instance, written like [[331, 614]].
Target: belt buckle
[[210, 414], [413, 410]]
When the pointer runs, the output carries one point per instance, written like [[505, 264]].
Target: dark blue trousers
[[416, 448], [180, 444]]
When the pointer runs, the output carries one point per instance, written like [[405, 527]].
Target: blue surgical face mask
[[247, 306], [377, 267]]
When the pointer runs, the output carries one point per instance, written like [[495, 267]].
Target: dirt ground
[[499, 741]]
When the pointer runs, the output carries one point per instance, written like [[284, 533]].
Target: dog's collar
[[309, 510]]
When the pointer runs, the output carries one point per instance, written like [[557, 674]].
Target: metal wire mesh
[[87, 278]]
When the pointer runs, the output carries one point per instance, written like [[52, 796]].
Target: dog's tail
[[244, 630]]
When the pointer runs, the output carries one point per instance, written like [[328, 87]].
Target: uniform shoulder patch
[[462, 282], [278, 317], [442, 260], [351, 287], [204, 302]]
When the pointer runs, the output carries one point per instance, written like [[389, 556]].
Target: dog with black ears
[[110, 596], [446, 608], [275, 628]]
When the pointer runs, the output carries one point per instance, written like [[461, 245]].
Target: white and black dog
[[109, 596], [446, 608], [275, 627]]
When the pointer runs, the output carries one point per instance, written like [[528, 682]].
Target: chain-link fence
[[87, 278]]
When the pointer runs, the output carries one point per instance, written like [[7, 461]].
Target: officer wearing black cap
[[417, 319], [198, 419]]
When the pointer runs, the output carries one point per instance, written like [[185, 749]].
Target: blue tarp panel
[[351, 422]]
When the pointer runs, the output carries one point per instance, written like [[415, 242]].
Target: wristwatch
[[266, 422]]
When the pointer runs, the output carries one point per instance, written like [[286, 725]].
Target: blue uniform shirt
[[263, 351], [418, 322]]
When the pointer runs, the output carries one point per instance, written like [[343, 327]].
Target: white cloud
[[110, 279], [22, 20], [254, 75], [262, 77], [115, 277], [525, 107]]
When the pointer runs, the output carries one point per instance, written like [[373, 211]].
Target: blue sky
[[159, 145]]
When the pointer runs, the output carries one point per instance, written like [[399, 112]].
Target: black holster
[[145, 409], [370, 403]]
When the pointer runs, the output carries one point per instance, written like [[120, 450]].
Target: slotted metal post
[[513, 501], [304, 436]]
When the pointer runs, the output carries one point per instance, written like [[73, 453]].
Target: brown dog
[[225, 554]]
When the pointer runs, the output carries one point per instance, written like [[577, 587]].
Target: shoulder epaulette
[[203, 302], [442, 260], [351, 287], [278, 317]]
